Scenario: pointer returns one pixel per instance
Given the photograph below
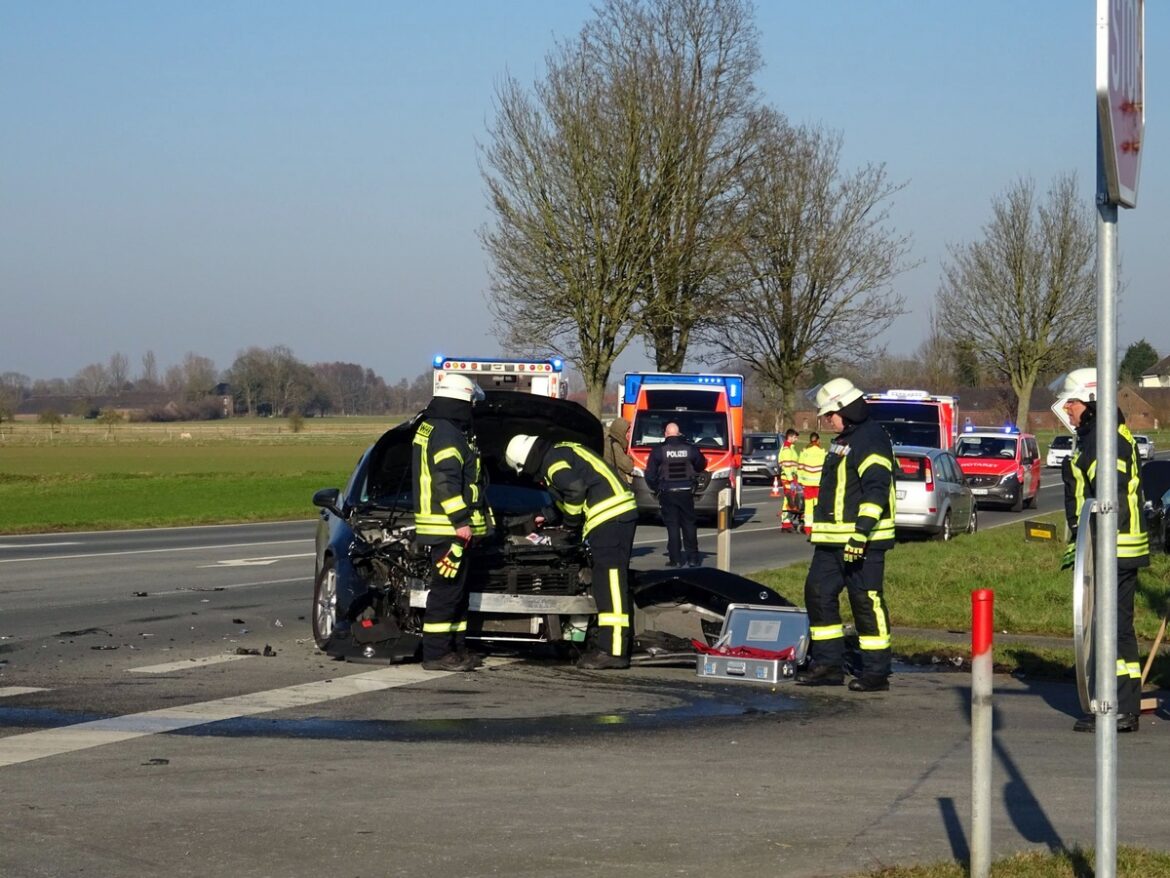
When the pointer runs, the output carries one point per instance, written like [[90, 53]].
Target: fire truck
[[541, 377], [916, 417], [708, 408]]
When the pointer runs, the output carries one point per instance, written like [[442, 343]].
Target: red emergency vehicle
[[916, 417], [708, 408], [1002, 466]]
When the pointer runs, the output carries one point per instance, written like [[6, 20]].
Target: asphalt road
[[135, 741]]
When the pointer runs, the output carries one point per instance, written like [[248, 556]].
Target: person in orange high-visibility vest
[[809, 466], [789, 462]]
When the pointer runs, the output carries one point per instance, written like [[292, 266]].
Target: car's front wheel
[[325, 604], [973, 521]]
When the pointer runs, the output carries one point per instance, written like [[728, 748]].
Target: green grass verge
[[1077, 863]]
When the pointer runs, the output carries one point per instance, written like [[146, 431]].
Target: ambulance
[[708, 408], [916, 417], [541, 377]]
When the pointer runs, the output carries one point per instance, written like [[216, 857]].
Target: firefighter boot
[[869, 684], [1126, 722], [821, 675], [596, 660]]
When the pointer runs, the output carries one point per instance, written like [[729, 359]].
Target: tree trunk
[[1023, 391]]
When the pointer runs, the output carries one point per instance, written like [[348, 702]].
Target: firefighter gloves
[[855, 549], [1070, 556], [448, 565]]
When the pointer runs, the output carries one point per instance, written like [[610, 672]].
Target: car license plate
[[901, 495], [979, 491]]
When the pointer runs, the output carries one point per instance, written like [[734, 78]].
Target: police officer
[[809, 466], [670, 474], [1076, 406], [590, 495], [853, 527], [450, 508]]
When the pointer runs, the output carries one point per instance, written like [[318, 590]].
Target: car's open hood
[[499, 417]]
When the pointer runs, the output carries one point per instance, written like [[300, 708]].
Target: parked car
[[932, 496], [1156, 489], [1001, 466], [759, 456], [1059, 451], [526, 586], [1145, 446]]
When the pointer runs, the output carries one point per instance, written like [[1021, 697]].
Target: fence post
[[723, 537], [982, 615]]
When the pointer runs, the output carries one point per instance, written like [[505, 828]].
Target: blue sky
[[209, 176]]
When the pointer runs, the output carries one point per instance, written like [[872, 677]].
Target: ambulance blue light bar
[[733, 384]]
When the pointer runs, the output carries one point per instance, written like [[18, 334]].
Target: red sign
[[1121, 95]]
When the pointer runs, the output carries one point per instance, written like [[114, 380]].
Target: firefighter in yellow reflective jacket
[[1076, 406], [450, 508], [808, 473], [853, 527], [590, 495]]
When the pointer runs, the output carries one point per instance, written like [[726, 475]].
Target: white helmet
[[458, 387], [835, 394], [1078, 384], [519, 447]]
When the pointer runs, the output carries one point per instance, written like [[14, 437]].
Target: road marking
[[6, 691], [36, 545], [16, 749], [256, 562], [149, 551], [189, 663]]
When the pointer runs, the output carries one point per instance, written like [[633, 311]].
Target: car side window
[[948, 468]]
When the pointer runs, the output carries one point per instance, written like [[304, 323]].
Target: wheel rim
[[326, 604], [946, 532], [974, 525]]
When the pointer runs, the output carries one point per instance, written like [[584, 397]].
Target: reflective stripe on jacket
[[449, 489], [584, 487], [1080, 484], [809, 465], [857, 488]]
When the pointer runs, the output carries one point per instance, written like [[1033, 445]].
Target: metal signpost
[[1120, 124]]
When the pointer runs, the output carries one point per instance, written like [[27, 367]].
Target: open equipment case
[[782, 632]]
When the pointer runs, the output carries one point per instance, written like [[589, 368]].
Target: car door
[[1032, 468], [962, 500]]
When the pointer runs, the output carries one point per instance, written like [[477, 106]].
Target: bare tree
[[119, 369], [814, 283], [199, 376], [92, 381], [688, 64], [613, 183], [148, 379], [1023, 297]]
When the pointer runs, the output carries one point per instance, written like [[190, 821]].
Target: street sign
[[1121, 111]]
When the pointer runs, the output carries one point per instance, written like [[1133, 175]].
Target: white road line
[[16, 749], [262, 561], [6, 691], [188, 664], [147, 551], [36, 545]]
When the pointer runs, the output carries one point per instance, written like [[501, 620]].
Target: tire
[[945, 534], [325, 604], [1018, 506], [973, 523]]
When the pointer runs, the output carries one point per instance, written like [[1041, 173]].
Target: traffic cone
[[775, 486]]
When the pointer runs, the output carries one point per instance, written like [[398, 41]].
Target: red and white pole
[[982, 620]]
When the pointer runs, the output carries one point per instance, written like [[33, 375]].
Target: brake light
[[929, 475]]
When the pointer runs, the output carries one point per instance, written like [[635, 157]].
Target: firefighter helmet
[[835, 394], [1078, 384], [519, 447], [458, 387]]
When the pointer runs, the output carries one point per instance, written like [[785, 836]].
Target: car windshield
[[1061, 442], [705, 429], [757, 444], [986, 446], [1142, 440]]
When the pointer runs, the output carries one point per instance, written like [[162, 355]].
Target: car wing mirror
[[330, 499]]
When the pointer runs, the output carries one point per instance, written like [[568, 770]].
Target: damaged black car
[[526, 586]]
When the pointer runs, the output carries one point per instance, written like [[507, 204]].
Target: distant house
[[1158, 375]]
